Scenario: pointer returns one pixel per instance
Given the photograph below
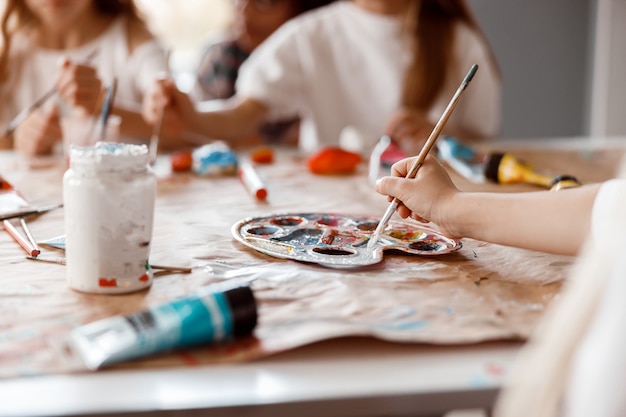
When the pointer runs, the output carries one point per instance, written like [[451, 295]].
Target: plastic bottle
[[108, 194]]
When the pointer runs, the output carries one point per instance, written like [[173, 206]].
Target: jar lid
[[109, 157]]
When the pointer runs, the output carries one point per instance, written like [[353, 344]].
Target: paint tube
[[210, 315], [462, 159]]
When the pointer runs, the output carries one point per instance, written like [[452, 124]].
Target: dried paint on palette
[[336, 240]]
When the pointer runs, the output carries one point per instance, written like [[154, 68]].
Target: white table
[[352, 377]]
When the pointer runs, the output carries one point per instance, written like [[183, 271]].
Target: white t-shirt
[[604, 218], [33, 70], [598, 369], [341, 66]]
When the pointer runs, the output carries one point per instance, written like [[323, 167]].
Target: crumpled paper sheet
[[483, 292]]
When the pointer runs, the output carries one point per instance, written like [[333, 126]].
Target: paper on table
[[482, 292]]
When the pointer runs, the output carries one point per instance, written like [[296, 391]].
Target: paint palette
[[337, 240]]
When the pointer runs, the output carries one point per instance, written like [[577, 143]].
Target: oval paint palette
[[337, 240]]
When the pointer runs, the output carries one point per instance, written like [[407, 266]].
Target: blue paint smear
[[407, 325], [479, 381]]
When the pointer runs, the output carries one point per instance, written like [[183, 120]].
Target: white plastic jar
[[108, 194]]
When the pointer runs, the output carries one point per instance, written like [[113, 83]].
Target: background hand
[[79, 86], [39, 132], [177, 110], [409, 129]]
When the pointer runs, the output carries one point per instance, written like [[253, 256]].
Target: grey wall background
[[544, 49]]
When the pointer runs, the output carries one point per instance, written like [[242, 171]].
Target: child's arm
[[233, 119], [556, 222]]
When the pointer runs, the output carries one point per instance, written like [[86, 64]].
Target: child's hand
[[79, 86], [39, 132], [177, 110], [156, 100], [409, 128], [427, 197]]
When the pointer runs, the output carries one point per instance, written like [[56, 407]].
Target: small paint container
[[211, 315], [108, 194]]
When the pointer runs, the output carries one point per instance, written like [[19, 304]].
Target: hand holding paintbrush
[[430, 142], [26, 111]]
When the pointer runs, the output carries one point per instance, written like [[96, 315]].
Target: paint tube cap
[[243, 309], [564, 181], [492, 165]]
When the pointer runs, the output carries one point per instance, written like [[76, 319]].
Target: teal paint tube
[[208, 316]]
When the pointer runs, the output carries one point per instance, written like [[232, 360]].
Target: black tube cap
[[243, 309], [492, 165]]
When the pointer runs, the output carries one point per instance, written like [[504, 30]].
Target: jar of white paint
[[108, 194]]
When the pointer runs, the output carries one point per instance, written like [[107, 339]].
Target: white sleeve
[[604, 216], [273, 73]]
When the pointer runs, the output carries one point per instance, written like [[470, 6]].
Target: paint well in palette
[[336, 240], [334, 251], [367, 226], [426, 245], [329, 221], [301, 237], [263, 230], [287, 221], [407, 234]]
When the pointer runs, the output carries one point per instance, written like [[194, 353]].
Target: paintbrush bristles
[[417, 164]]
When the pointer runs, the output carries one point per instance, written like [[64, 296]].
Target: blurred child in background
[[47, 43], [379, 66], [254, 21]]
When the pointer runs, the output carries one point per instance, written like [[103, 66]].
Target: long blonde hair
[[431, 25], [17, 15]]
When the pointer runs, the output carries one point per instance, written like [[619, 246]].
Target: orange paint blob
[[333, 161], [262, 155], [181, 161]]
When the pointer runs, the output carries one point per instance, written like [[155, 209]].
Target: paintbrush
[[29, 235], [417, 164], [26, 244], [63, 261], [29, 211], [105, 112], [156, 132], [22, 115]]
